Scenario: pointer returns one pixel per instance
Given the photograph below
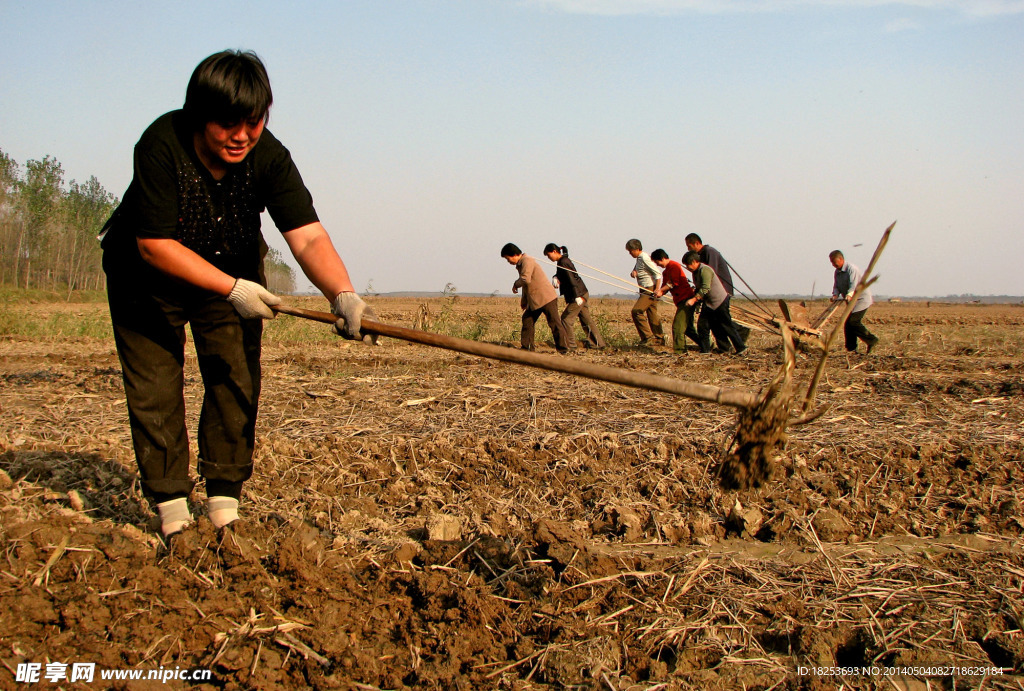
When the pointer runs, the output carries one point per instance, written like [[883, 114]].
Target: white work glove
[[251, 300], [554, 282], [579, 301], [350, 309]]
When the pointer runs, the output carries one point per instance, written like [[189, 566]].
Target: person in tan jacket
[[539, 297]]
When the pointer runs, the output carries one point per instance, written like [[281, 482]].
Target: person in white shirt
[[847, 277], [645, 309]]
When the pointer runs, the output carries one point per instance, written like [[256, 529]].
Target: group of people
[[185, 247], [655, 275]]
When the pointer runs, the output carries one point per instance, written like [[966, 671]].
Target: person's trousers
[[550, 312], [149, 332], [854, 329], [646, 317], [682, 326], [744, 332], [569, 314], [719, 322]]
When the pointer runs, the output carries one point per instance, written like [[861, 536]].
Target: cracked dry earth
[[424, 519]]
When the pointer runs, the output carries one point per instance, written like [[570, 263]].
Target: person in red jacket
[[674, 281]]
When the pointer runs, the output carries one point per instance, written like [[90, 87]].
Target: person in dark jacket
[[185, 247], [713, 258], [714, 313], [577, 298]]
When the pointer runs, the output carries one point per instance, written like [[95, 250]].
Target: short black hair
[[693, 237], [228, 87], [835, 253], [659, 254], [691, 257], [510, 250], [634, 244]]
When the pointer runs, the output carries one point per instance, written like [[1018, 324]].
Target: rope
[[632, 286], [759, 301]]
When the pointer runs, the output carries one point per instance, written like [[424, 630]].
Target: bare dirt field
[[425, 519]]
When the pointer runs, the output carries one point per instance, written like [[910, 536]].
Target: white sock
[[222, 510], [174, 515]]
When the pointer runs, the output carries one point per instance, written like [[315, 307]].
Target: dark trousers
[[744, 332], [646, 318], [682, 326], [854, 329], [149, 332], [569, 314], [550, 312], [719, 322]]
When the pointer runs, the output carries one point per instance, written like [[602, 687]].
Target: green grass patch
[[10, 295], [43, 325]]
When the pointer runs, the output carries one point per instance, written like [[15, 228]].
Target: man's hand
[[515, 289], [252, 300], [554, 282], [579, 301], [350, 310]]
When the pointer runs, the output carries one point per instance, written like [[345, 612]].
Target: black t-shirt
[[173, 195]]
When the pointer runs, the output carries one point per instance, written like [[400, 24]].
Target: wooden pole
[[736, 398]]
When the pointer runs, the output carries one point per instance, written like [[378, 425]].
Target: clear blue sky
[[432, 132]]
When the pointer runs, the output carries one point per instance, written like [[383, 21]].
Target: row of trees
[[48, 230]]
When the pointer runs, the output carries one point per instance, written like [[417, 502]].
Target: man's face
[[230, 143], [692, 266], [693, 246], [838, 262], [513, 260], [634, 253], [661, 263]]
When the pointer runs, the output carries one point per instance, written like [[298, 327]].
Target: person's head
[[227, 104], [691, 260], [555, 252], [693, 242], [634, 247], [660, 257], [511, 253], [837, 259]]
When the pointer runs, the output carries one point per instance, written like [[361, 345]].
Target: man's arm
[[701, 284], [319, 260], [525, 269], [174, 259]]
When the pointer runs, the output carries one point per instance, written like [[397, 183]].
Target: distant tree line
[[48, 230], [280, 276]]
